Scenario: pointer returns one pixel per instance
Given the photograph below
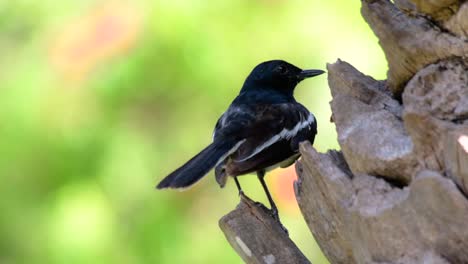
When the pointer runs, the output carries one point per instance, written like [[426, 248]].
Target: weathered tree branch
[[367, 116], [439, 10], [363, 219], [458, 24], [257, 237], [409, 42]]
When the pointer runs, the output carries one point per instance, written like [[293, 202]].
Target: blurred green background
[[102, 99]]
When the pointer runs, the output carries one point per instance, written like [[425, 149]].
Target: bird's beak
[[309, 73]]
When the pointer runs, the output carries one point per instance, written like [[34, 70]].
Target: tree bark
[[397, 192], [257, 237]]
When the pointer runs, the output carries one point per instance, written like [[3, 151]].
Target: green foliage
[[100, 101]]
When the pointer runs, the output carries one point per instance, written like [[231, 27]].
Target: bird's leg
[[274, 209], [238, 186]]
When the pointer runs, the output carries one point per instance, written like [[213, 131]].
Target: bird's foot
[[275, 215], [272, 212]]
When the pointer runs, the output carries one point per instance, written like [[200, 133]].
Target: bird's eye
[[281, 69]]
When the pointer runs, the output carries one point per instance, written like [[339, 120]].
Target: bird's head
[[278, 75]]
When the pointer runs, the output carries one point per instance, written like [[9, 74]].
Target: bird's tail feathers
[[197, 167]]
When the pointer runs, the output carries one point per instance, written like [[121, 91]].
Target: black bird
[[261, 130]]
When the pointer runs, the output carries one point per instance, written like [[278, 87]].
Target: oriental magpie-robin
[[261, 130]]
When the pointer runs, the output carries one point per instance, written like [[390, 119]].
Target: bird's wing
[[262, 125]]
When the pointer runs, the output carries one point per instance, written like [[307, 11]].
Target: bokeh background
[[99, 100]]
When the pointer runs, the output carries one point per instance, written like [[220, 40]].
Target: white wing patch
[[232, 150], [284, 134]]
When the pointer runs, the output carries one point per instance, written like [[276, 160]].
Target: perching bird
[[261, 130]]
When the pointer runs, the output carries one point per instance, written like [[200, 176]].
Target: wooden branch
[[405, 41], [436, 104], [440, 90], [364, 219], [398, 192], [365, 116], [319, 199], [458, 24], [439, 10], [257, 237], [456, 157]]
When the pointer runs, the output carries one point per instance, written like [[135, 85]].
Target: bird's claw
[[275, 215]]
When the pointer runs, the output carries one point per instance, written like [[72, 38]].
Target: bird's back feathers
[[272, 133]]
